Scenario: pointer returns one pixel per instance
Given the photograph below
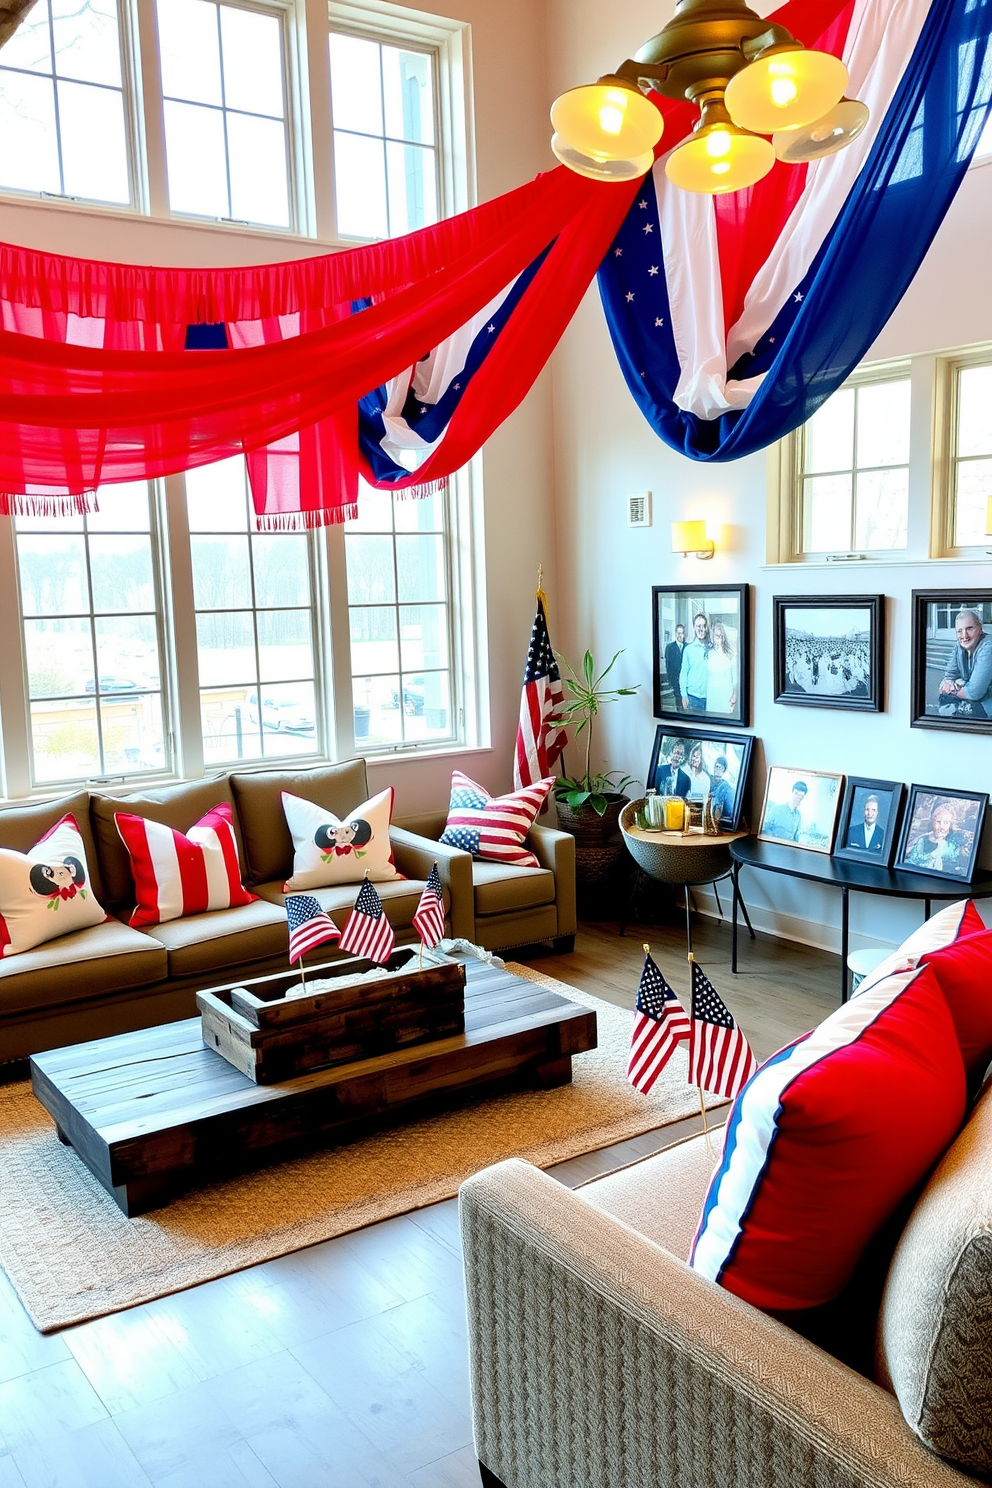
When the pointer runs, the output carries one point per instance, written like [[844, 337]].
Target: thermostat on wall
[[639, 510]]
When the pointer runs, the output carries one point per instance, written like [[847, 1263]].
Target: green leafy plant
[[587, 697]]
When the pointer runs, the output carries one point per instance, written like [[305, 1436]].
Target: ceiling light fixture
[[750, 78]]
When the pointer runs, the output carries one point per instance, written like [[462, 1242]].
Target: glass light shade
[[842, 124], [598, 169], [690, 537], [608, 120], [785, 90], [719, 158]]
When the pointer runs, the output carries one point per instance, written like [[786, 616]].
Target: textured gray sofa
[[600, 1360]]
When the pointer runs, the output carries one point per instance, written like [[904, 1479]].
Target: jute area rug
[[72, 1255]]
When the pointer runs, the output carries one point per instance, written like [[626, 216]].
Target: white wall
[[605, 449], [511, 147]]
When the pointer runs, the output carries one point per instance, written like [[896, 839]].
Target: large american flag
[[429, 918], [660, 1026], [720, 1058], [368, 932], [309, 926], [539, 740]]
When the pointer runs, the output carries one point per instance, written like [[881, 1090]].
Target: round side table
[[686, 858]]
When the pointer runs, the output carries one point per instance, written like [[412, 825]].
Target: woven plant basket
[[599, 846]]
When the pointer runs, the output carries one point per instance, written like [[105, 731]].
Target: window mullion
[[181, 626], [339, 631], [151, 113], [14, 705]]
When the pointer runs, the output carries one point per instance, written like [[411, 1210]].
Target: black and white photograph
[[830, 651], [942, 831], [868, 824], [952, 660], [702, 653], [800, 807], [699, 765]]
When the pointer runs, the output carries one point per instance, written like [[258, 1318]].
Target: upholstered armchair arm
[[556, 850], [599, 1360], [413, 855]]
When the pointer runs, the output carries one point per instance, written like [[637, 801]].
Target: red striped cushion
[[178, 874], [493, 827]]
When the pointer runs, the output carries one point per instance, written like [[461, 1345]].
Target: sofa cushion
[[963, 972], [336, 850], [109, 957], [824, 1142], [941, 929], [267, 840], [223, 937], [660, 1196], [500, 887], [22, 826], [46, 892], [177, 806], [399, 899], [935, 1326], [493, 827], [183, 873]]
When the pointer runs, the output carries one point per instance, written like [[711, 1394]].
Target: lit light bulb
[[720, 167], [718, 157], [717, 144], [783, 91], [606, 130], [611, 116], [786, 90]]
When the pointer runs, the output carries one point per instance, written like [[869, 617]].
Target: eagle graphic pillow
[[330, 851], [45, 892]]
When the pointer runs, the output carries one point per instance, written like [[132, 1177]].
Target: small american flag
[[720, 1058], [539, 741], [429, 918], [659, 1027], [309, 926], [368, 932]]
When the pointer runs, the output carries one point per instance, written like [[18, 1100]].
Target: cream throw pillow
[[45, 892], [331, 851]]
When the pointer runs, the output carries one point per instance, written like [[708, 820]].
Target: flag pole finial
[[647, 949], [540, 595]]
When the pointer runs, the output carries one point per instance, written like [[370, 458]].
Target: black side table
[[861, 878]]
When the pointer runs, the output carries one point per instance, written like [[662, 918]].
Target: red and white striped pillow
[[493, 827], [178, 874]]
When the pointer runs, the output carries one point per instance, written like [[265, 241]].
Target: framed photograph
[[800, 808], [952, 660], [830, 651], [868, 824], [702, 652], [696, 763], [942, 831]]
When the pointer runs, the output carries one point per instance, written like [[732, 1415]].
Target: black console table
[[838, 873]]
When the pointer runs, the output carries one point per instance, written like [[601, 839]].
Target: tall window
[[62, 115], [385, 149], [854, 470], [399, 619], [254, 625], [223, 82], [971, 459], [92, 640]]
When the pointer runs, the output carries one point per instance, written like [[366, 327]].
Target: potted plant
[[589, 804]]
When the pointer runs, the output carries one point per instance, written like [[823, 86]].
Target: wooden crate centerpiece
[[273, 1027]]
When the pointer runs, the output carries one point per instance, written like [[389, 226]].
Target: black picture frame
[[719, 743], [934, 611], [881, 856], [925, 800], [864, 695], [725, 604]]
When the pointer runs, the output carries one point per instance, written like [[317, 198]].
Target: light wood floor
[[340, 1366]]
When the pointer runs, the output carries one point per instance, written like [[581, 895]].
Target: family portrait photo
[[702, 653], [869, 820], [829, 651], [952, 660], [942, 831], [697, 766], [800, 807]]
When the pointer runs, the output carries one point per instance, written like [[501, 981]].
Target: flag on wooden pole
[[429, 918], [540, 740], [720, 1057], [660, 1025], [309, 926], [368, 932]]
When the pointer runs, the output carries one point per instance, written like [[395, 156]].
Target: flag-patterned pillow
[[493, 827], [178, 874]]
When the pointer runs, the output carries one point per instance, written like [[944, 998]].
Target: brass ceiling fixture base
[[704, 45]]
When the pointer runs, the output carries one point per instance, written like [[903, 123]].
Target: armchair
[[507, 906]]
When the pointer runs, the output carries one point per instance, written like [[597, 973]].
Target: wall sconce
[[690, 537]]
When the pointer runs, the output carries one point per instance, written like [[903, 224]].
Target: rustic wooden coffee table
[[155, 1112]]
